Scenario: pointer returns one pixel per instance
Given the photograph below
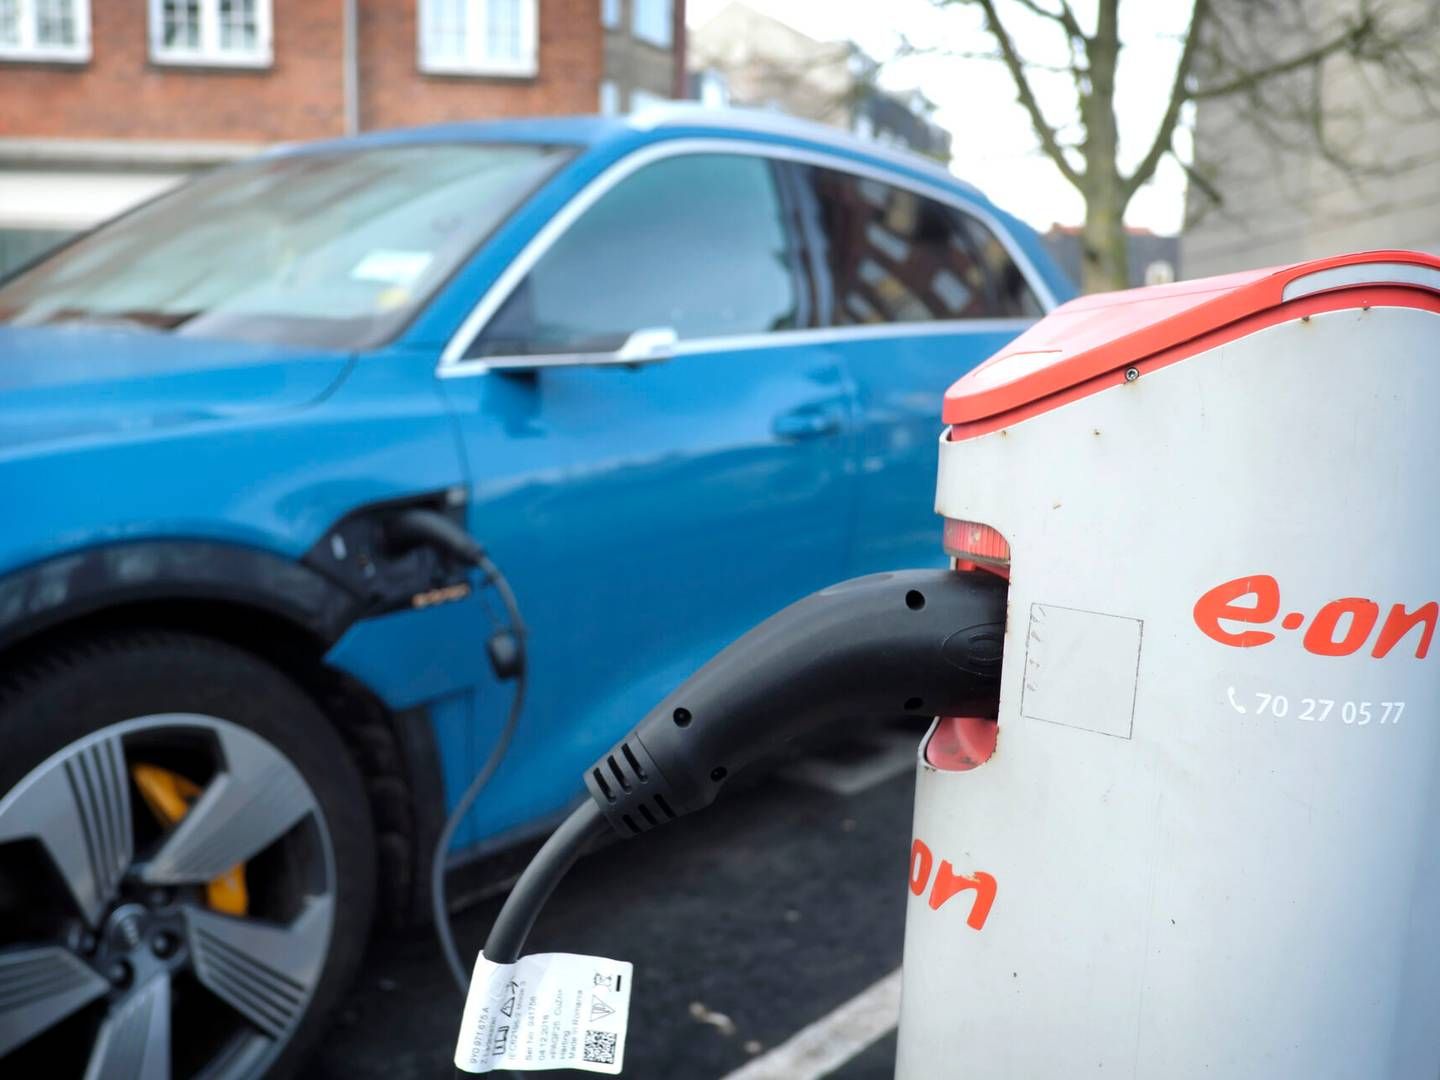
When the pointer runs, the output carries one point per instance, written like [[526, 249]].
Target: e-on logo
[[1325, 635]]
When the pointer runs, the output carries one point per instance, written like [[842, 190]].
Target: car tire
[[124, 696]]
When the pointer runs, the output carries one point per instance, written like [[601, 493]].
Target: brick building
[[644, 53], [106, 102]]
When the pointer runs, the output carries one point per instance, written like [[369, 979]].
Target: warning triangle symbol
[[598, 1009]]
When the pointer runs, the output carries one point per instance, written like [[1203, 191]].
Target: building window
[[711, 89], [609, 98], [654, 21], [230, 33], [44, 30], [610, 14], [1159, 272], [478, 37], [641, 98]]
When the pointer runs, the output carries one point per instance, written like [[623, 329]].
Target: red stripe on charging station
[[1062, 393]]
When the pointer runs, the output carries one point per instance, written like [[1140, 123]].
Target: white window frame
[[637, 28], [640, 98], [610, 14], [210, 54], [475, 61], [609, 98], [28, 48]]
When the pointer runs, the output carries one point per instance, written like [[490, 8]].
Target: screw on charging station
[[1131, 374]]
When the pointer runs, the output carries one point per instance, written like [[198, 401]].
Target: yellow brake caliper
[[169, 796]]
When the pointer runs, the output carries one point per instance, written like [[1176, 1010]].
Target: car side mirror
[[647, 346]]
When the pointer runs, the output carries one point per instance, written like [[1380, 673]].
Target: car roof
[[657, 122]]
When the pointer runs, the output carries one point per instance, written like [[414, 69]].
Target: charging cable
[[533, 888], [506, 650]]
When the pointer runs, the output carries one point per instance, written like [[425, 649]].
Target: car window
[[330, 248], [695, 243], [1012, 295], [886, 254]]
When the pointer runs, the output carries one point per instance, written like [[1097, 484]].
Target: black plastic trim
[[359, 553], [425, 782], [84, 582]]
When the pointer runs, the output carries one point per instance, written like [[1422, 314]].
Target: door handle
[[807, 422]]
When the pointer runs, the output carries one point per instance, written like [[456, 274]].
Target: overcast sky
[[994, 145]]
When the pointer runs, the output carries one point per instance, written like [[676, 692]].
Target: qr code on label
[[600, 1047]]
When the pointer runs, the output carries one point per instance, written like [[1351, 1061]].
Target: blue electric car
[[673, 372]]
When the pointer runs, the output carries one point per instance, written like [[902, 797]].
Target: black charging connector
[[419, 526], [923, 642]]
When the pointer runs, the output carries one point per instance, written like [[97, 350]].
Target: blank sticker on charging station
[[1081, 669], [546, 1011]]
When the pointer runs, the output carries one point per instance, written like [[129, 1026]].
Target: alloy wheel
[[150, 938]]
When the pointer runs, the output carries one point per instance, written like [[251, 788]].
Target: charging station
[[1207, 841], [1179, 817]]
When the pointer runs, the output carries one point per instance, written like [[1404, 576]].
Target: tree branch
[[1349, 41], [1201, 181], [1179, 92], [1016, 66], [1065, 16], [906, 50]]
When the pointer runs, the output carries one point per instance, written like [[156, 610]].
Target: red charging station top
[[1093, 336]]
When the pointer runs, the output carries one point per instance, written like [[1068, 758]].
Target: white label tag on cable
[[546, 1011]]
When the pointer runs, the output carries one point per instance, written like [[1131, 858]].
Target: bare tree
[[1272, 58]]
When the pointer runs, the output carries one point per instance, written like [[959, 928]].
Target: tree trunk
[[1104, 261]]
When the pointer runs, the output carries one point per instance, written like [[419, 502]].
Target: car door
[[918, 290], [648, 513]]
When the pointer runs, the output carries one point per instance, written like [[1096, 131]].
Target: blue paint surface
[[645, 517]]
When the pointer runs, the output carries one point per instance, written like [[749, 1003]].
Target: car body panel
[[383, 432], [644, 516], [73, 383], [895, 408]]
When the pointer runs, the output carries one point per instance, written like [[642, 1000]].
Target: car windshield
[[321, 249]]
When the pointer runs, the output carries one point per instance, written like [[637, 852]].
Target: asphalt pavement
[[745, 923]]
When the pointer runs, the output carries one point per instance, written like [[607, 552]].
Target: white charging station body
[[1208, 841]]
